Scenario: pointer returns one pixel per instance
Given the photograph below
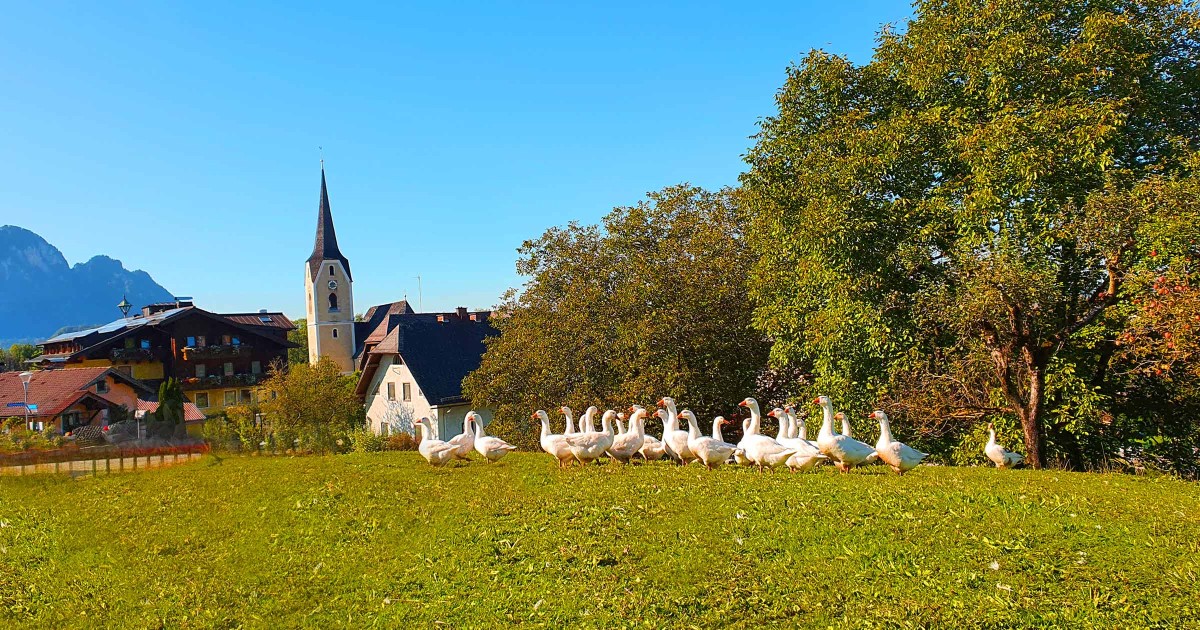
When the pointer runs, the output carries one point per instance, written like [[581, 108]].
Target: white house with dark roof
[[412, 366]]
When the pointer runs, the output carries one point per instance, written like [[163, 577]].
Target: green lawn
[[381, 540]]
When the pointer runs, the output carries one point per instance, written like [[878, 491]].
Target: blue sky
[[182, 138]]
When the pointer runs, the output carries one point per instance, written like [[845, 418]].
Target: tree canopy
[[954, 228], [651, 302]]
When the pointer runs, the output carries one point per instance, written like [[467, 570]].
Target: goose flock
[[622, 438]]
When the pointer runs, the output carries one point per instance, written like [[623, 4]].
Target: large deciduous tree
[[651, 302], [962, 213]]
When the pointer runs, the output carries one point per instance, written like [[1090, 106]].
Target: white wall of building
[[446, 419]]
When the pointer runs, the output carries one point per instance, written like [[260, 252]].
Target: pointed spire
[[326, 246]]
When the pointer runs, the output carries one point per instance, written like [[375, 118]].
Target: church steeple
[[326, 245]]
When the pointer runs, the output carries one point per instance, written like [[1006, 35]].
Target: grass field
[[381, 540]]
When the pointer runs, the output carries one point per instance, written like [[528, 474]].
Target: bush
[[366, 441], [401, 442]]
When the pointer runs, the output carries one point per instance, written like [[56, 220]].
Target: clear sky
[[182, 138]]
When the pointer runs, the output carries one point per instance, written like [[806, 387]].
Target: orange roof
[[191, 413], [51, 390]]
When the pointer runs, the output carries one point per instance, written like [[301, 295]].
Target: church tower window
[[333, 302]]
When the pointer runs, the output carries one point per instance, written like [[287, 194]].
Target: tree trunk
[[1031, 414]]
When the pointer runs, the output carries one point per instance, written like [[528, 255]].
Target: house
[[217, 359], [412, 365], [68, 399]]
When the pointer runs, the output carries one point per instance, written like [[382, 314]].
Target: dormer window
[[333, 307]]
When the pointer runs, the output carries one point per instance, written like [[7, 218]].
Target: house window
[[383, 430], [228, 369], [406, 390], [191, 342], [237, 342], [199, 341], [246, 397], [391, 391], [333, 302], [256, 367], [71, 420], [127, 370], [230, 397], [202, 400], [145, 344], [102, 387], [335, 333], [226, 340], [130, 343]]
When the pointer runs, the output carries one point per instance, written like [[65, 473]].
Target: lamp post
[[25, 378], [124, 306]]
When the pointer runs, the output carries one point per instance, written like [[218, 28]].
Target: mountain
[[41, 293]]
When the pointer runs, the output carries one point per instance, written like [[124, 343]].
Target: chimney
[[262, 310], [461, 312]]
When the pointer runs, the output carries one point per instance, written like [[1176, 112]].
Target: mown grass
[[383, 540]]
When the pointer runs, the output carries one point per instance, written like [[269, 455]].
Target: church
[[410, 365]]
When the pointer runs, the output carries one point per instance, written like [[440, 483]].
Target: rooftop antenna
[[420, 295]]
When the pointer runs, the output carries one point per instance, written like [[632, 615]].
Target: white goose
[[760, 449], [844, 450], [711, 451], [464, 442], [554, 444], [435, 451], [653, 448], [566, 412], [1001, 458], [849, 432], [900, 456], [626, 445], [492, 448], [799, 428], [675, 439], [586, 424], [591, 445], [739, 456], [806, 456]]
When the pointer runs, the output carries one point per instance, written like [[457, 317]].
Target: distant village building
[[68, 399], [218, 359], [411, 365]]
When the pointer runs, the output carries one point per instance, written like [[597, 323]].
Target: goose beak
[[743, 404], [661, 402], [816, 401], [771, 414]]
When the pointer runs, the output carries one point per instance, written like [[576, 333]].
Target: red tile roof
[[51, 390], [191, 413]]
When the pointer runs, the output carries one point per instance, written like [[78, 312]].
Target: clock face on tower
[[332, 285]]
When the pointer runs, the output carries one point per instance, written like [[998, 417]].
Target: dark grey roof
[[439, 354], [326, 246]]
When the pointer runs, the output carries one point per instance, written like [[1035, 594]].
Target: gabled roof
[[326, 245], [376, 324], [93, 338], [56, 390], [191, 413], [438, 353]]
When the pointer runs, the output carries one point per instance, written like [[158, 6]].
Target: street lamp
[[25, 378], [124, 306]]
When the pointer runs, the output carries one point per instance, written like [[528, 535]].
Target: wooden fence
[[97, 460]]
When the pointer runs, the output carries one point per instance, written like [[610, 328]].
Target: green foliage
[[652, 302], [168, 421], [367, 441], [14, 358], [949, 229], [299, 336], [314, 404], [384, 540]]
